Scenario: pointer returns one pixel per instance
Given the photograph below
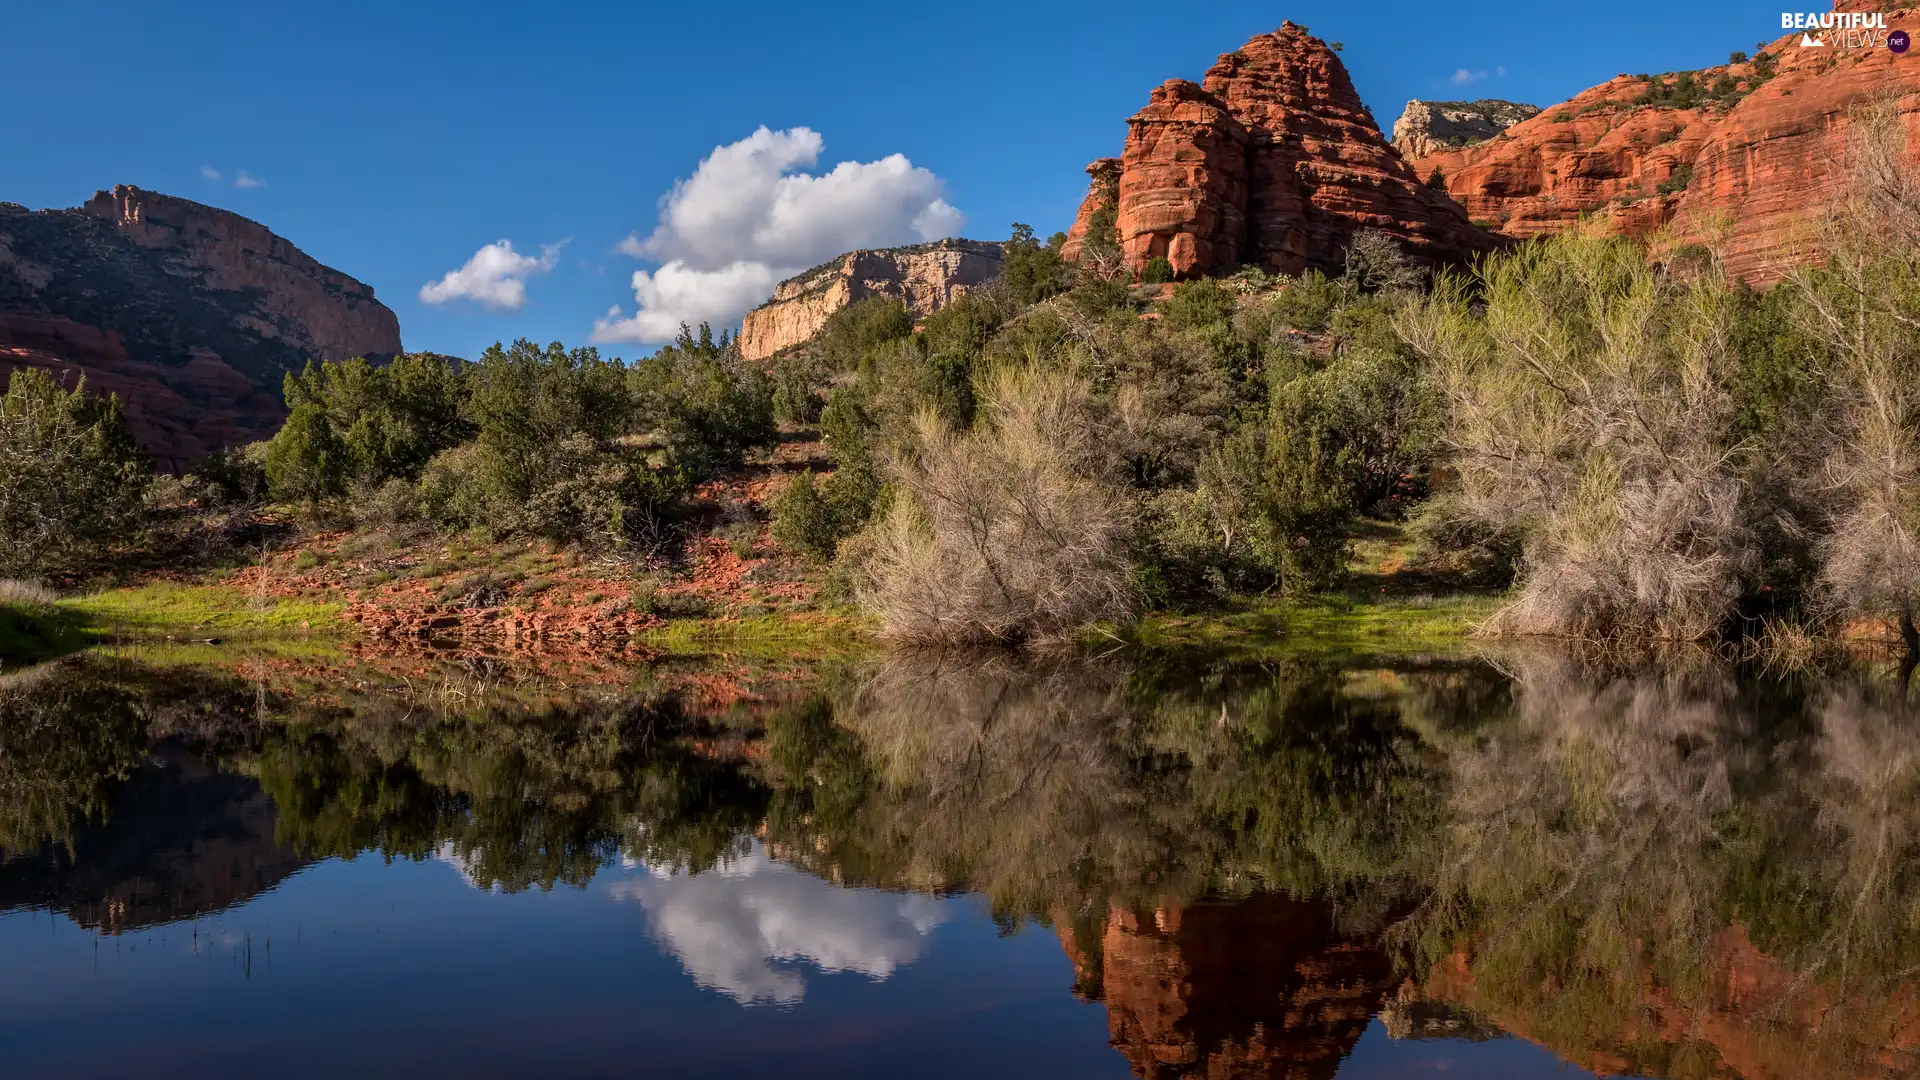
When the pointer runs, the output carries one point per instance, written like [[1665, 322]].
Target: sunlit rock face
[[1426, 127], [1271, 161], [924, 277], [747, 927], [1752, 172]]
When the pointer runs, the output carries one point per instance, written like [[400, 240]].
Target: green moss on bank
[[168, 609], [1328, 624], [160, 612]]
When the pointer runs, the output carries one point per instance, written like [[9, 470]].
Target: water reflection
[[1688, 871], [729, 927]]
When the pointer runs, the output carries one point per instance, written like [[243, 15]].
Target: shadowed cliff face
[[1745, 170], [180, 840], [192, 314]]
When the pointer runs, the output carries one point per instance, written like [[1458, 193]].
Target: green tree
[[710, 407], [1030, 271], [71, 479]]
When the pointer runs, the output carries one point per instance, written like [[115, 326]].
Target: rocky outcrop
[[1271, 161], [925, 277], [193, 314], [1427, 127], [1738, 155]]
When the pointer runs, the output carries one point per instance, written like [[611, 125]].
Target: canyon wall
[[925, 277], [1742, 155], [1272, 161], [191, 314]]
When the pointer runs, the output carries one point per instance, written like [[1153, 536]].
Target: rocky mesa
[[190, 313], [925, 277], [1735, 154], [1428, 127], [1271, 160]]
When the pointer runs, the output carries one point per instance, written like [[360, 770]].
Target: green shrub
[[711, 407], [796, 396], [1157, 270], [1200, 303], [354, 424], [1306, 303], [71, 479], [804, 521], [862, 326], [1029, 271]]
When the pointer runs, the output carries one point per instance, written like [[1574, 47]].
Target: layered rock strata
[[1742, 155], [1428, 127], [924, 277], [1272, 161]]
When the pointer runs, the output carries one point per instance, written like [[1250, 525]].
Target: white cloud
[[738, 928], [1462, 76], [676, 293], [209, 172], [749, 216], [242, 180], [1500, 72], [495, 276]]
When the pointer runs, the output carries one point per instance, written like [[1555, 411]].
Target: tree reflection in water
[[1688, 871]]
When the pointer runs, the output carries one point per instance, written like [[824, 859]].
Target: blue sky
[[395, 140]]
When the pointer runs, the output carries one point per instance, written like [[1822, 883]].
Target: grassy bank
[[160, 611]]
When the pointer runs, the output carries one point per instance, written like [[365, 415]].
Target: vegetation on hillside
[[1644, 450]]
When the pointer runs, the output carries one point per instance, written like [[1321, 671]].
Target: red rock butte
[[1748, 164], [1270, 161]]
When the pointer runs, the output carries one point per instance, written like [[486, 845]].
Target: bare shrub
[[1588, 411], [1014, 532], [1864, 306]]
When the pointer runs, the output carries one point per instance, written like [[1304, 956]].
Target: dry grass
[[1009, 534], [26, 595], [1589, 410]]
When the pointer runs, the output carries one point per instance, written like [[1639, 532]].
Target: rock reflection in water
[[1678, 872], [1262, 987]]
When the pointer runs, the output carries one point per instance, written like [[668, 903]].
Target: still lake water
[[1518, 866]]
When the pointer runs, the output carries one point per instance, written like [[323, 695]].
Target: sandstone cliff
[[1272, 161], [1735, 154], [1427, 127], [192, 314], [925, 277]]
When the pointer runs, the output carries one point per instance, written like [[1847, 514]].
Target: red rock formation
[[178, 414], [1746, 171], [1272, 161], [1262, 987], [1183, 182], [192, 315]]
